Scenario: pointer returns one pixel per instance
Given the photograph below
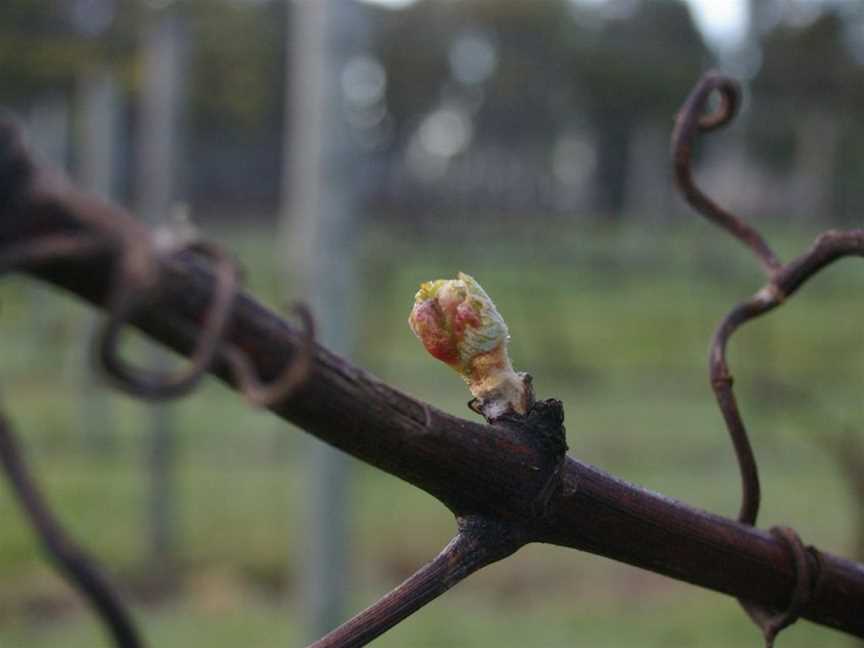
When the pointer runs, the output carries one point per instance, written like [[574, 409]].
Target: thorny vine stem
[[784, 281]]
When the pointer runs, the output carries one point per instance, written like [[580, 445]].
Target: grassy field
[[615, 321]]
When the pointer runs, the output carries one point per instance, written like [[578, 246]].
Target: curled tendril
[[806, 565], [292, 377], [135, 284], [133, 290], [721, 383], [693, 119], [730, 101], [784, 280]]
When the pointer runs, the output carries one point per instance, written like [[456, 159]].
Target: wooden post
[[48, 126], [157, 194], [97, 160], [318, 227]]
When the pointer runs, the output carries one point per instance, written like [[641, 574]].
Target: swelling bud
[[459, 325]]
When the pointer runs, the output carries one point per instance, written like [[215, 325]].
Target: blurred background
[[346, 151]]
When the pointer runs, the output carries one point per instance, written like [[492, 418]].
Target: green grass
[[614, 321], [632, 610]]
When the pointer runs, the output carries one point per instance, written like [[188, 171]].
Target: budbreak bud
[[459, 325]]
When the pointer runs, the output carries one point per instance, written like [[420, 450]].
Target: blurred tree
[[637, 66], [805, 97], [550, 65], [601, 80], [235, 103], [38, 49], [556, 63], [526, 96], [235, 71], [529, 97], [236, 66], [416, 67], [45, 44]]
